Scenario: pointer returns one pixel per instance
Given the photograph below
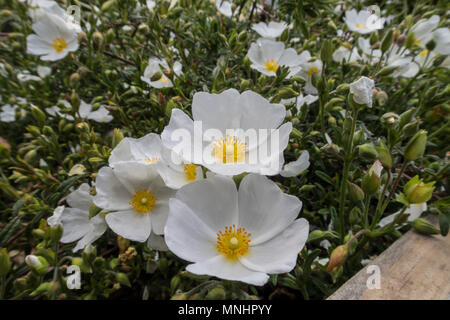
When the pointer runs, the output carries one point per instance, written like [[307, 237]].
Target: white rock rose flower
[[399, 58], [268, 55], [294, 168], [423, 30], [271, 30], [77, 226], [8, 113], [236, 235], [149, 150], [344, 54], [99, 115], [363, 22], [156, 65], [414, 210], [307, 70], [39, 9], [362, 91], [53, 40], [224, 8], [232, 133], [136, 198]]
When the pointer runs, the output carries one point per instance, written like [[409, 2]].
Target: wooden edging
[[415, 267]]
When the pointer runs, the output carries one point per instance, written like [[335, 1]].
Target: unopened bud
[[367, 151], [356, 193], [338, 257], [417, 191], [384, 155], [416, 146], [371, 180], [216, 293], [423, 226], [5, 262]]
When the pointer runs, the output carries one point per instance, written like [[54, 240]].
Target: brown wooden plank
[[415, 267]]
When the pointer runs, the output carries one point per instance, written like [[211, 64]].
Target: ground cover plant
[[107, 191]]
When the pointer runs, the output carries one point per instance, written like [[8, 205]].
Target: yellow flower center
[[312, 70], [143, 201], [151, 160], [230, 150], [190, 170], [164, 79], [233, 243], [271, 65], [424, 53], [417, 42], [59, 44], [360, 26]]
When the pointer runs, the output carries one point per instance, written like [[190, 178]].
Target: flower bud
[[384, 155], [97, 38], [389, 119], [38, 114], [5, 262], [326, 51], [356, 193], [74, 79], [417, 191], [406, 117], [287, 93], [387, 41], [338, 257], [37, 264], [423, 226], [343, 88], [359, 137], [371, 180], [55, 233], [122, 278], [410, 40], [416, 146], [216, 293], [367, 151]]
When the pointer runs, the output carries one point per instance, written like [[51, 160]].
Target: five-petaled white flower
[[136, 198], [231, 133], [307, 70], [344, 54], [150, 151], [363, 22], [271, 30], [156, 65], [423, 30], [224, 7], [236, 235], [362, 91], [75, 220], [53, 40], [268, 55]]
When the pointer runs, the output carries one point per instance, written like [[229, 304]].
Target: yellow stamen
[[59, 44], [312, 70], [271, 65], [233, 243], [424, 53], [143, 201], [230, 150], [151, 160], [190, 170], [360, 26], [164, 79]]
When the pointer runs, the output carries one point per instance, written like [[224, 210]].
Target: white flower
[[271, 30], [136, 197], [43, 71], [308, 69], [224, 7], [77, 226], [53, 40], [8, 113], [3, 71], [442, 38], [362, 91], [39, 9], [301, 100], [268, 55], [156, 65], [231, 153], [148, 150], [343, 54], [151, 4], [399, 58], [369, 54], [236, 235], [99, 115], [363, 22], [56, 111], [414, 210], [423, 30], [294, 168], [26, 76]]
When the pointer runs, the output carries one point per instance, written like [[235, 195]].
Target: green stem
[[343, 187], [2, 287], [366, 211]]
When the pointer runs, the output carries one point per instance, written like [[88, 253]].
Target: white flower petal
[[130, 225]]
